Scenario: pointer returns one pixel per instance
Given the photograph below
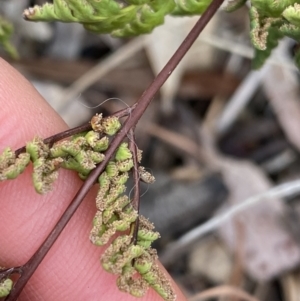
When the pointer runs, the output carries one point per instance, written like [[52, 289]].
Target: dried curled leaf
[[96, 123], [146, 176]]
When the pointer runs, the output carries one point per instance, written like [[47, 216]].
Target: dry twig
[[175, 249]]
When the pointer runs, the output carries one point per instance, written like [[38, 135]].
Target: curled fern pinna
[[119, 18], [130, 255], [270, 20]]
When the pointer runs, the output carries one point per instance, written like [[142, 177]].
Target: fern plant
[[129, 255], [270, 20], [99, 152]]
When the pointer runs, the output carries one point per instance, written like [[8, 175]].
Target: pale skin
[[71, 270]]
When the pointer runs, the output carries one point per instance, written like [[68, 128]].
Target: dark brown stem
[[5, 273], [136, 181], [131, 121], [82, 128], [52, 139]]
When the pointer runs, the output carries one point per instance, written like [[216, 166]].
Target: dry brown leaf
[[269, 249]]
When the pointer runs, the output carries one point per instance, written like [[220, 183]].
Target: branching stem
[[136, 180], [82, 128], [5, 273], [137, 112]]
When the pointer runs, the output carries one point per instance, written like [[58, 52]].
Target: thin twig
[[82, 128], [175, 249], [5, 273], [142, 104]]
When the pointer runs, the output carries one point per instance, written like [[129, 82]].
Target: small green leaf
[[111, 169], [111, 125], [6, 31], [5, 287], [123, 152], [292, 14], [124, 166]]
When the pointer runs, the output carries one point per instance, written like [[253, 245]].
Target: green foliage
[[271, 20], [129, 254], [292, 14], [81, 153], [12, 166], [106, 16], [116, 214], [191, 7], [5, 287], [272, 8], [6, 30]]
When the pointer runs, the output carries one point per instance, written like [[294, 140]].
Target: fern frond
[[191, 7], [292, 14], [265, 35], [272, 8], [6, 31], [105, 16]]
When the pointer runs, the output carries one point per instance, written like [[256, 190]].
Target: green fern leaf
[[106, 16], [191, 7], [265, 34], [272, 8], [292, 14]]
